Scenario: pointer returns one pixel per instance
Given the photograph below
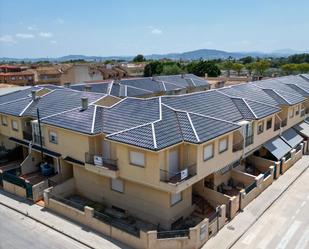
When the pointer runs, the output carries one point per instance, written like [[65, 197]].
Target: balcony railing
[[302, 112], [238, 146], [179, 176], [284, 122], [27, 135], [99, 161], [249, 140]]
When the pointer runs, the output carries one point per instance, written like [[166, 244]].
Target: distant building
[[16, 75]]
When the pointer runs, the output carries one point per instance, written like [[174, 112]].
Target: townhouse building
[[16, 75], [161, 168], [147, 86]]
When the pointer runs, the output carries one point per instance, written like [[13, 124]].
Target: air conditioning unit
[[98, 160]]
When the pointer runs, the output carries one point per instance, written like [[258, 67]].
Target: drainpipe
[[40, 133]]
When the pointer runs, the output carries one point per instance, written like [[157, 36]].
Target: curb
[[258, 217], [47, 225]]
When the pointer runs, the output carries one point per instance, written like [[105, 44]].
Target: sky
[[34, 28]]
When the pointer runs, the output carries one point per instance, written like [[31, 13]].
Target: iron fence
[[179, 176], [109, 163], [250, 187], [173, 234], [248, 140], [267, 173], [68, 202]]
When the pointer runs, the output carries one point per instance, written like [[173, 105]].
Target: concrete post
[[88, 212]]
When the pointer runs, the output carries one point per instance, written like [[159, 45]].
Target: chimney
[[33, 94], [87, 88], [84, 103]]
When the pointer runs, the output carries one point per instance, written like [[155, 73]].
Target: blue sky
[[54, 28]]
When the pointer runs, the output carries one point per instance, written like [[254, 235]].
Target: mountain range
[[190, 55]]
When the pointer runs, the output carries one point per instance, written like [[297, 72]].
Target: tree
[[303, 67], [247, 59], [289, 68], [171, 69], [261, 66], [237, 67], [249, 68], [200, 68], [228, 66], [139, 58], [153, 68]]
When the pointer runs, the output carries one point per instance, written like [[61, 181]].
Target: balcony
[[96, 163], [36, 140], [177, 177], [27, 135], [238, 146], [249, 140], [284, 122], [277, 126]]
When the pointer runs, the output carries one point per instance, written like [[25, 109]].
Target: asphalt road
[[18, 231], [285, 225]]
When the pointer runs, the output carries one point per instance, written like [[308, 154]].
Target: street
[[19, 231], [285, 224]]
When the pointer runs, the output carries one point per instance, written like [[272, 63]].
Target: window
[[175, 198], [291, 113], [137, 158], [14, 125], [117, 185], [20, 77], [53, 138], [260, 127], [13, 78], [4, 120], [269, 123], [208, 151], [296, 110], [223, 145]]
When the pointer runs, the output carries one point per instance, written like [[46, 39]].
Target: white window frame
[[117, 185], [4, 120], [14, 125], [209, 148], [137, 158], [175, 198], [55, 135], [227, 144]]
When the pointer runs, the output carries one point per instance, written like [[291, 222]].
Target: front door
[[106, 149], [173, 162]]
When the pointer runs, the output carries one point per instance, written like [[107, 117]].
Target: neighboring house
[[147, 86], [47, 75], [16, 75], [162, 172]]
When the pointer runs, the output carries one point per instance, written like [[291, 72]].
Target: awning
[[291, 137], [35, 147], [277, 147], [73, 160], [302, 128]]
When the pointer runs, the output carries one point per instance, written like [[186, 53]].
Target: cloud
[[59, 20], [32, 27], [45, 34], [156, 31], [53, 42], [24, 36], [7, 39]]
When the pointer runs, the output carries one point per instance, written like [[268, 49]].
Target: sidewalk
[[232, 231], [73, 230]]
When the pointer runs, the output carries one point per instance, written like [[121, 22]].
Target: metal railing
[[238, 146], [27, 135], [118, 223], [173, 234], [108, 163], [249, 140], [179, 176], [213, 216], [302, 112], [267, 173], [67, 202], [250, 187]]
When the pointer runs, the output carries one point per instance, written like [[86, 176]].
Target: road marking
[[288, 235], [252, 235], [274, 226], [303, 241], [297, 211], [303, 204], [293, 217]]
